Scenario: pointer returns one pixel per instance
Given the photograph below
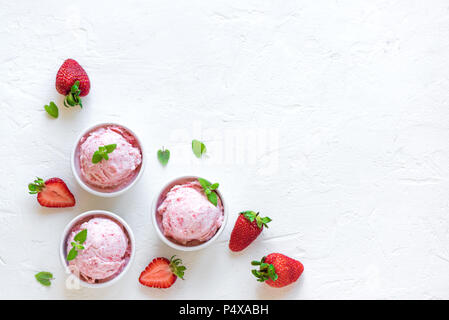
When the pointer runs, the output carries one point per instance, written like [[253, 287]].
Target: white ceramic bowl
[[96, 191], [93, 213], [159, 232]]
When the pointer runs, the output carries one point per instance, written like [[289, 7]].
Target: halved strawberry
[[52, 193], [162, 273]]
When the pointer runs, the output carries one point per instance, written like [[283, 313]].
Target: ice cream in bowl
[[189, 213], [107, 159], [97, 247]]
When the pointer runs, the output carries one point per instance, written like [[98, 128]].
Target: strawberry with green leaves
[[162, 273], [277, 270], [247, 228], [72, 82], [52, 193]]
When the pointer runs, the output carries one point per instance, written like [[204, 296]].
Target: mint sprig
[[73, 98], [102, 152], [79, 238], [44, 278], [209, 190], [52, 109], [37, 186], [163, 156], [198, 148]]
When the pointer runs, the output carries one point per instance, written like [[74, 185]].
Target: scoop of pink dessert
[[123, 161], [187, 215], [106, 249]]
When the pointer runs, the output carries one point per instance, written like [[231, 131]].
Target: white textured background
[[354, 98]]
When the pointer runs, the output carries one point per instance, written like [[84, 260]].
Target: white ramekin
[[95, 191], [68, 228], [172, 244]]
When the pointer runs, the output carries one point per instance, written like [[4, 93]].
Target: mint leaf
[[214, 186], [208, 190], [81, 236], [102, 153], [96, 157], [204, 183], [110, 147], [213, 198], [72, 254], [163, 156], [44, 278], [52, 109], [198, 148]]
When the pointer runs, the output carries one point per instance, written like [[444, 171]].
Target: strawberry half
[[162, 273], [72, 82], [52, 193], [246, 229], [277, 270]]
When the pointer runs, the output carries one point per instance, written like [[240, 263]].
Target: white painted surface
[[352, 97]]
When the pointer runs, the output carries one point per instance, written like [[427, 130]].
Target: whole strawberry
[[246, 229], [277, 270], [72, 82]]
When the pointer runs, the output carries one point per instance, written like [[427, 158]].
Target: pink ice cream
[[187, 216], [106, 250], [123, 164]]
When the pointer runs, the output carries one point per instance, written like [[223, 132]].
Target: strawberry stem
[[36, 186], [266, 271], [73, 98], [176, 267], [260, 221]]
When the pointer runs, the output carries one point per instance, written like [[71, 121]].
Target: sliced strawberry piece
[[162, 273], [54, 193]]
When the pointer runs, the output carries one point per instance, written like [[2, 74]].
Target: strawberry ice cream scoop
[[106, 250], [123, 164], [186, 214]]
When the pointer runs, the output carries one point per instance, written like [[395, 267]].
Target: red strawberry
[[52, 193], [72, 81], [162, 273], [277, 270], [247, 228]]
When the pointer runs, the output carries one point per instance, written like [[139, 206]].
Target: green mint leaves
[[73, 98], [37, 186], [163, 156], [176, 267], [52, 109], [209, 190], [79, 238], [266, 271], [198, 148], [44, 278], [102, 153], [260, 221]]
